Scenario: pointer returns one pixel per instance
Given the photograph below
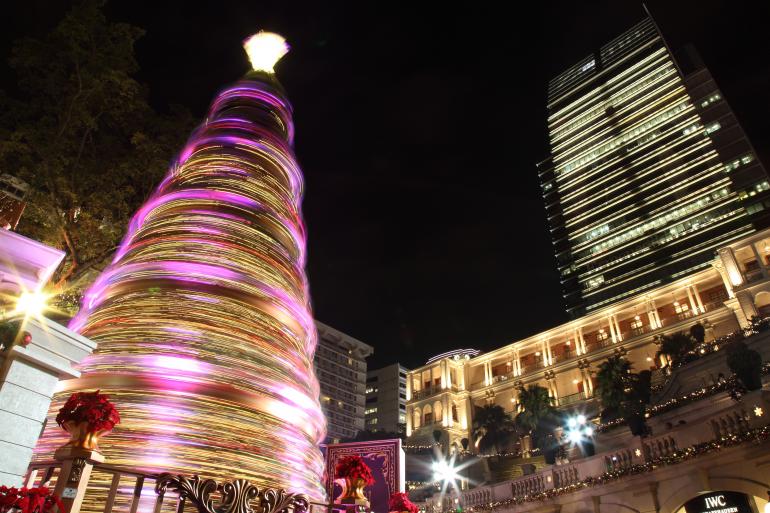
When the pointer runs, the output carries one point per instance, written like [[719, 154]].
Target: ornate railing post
[[76, 466]]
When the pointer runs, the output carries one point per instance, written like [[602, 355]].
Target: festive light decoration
[[756, 435], [204, 329]]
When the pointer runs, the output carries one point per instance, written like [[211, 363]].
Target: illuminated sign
[[719, 502]]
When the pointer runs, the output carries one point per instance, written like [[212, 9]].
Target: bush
[[746, 364]]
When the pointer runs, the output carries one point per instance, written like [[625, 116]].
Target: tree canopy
[[492, 427], [81, 132], [537, 415]]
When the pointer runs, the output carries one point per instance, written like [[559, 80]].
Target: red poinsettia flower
[[353, 467], [91, 407], [400, 502]]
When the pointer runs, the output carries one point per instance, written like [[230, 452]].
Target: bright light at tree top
[[32, 303], [264, 50]]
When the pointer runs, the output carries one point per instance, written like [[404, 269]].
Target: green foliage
[[698, 333], [82, 134], [492, 427], [537, 415], [9, 330], [676, 346], [746, 364], [612, 380], [623, 393]]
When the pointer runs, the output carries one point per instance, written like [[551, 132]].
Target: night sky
[[418, 132]]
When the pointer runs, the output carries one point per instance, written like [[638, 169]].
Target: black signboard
[[719, 502]]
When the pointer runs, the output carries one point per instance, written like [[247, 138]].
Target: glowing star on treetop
[[264, 50]]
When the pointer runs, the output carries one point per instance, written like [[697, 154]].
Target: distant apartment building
[[386, 399], [340, 364]]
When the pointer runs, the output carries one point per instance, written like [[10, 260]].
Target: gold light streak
[[203, 322]]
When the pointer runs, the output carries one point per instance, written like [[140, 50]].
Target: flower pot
[[353, 493], [81, 436]]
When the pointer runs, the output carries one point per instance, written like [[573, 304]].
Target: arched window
[[454, 413], [438, 411], [417, 419], [427, 415]]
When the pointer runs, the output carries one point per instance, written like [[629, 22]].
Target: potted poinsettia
[[357, 475], [86, 416], [399, 502], [28, 500]]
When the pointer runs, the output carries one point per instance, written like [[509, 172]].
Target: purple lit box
[[384, 457]]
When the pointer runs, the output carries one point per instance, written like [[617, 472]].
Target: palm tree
[[492, 427], [612, 384], [676, 345], [537, 414]]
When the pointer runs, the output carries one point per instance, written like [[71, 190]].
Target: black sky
[[418, 130]]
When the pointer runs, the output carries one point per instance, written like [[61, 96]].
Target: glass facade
[[649, 171]]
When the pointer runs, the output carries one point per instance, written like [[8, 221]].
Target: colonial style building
[[444, 393]]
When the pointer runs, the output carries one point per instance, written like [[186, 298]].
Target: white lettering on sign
[[69, 493], [717, 500]]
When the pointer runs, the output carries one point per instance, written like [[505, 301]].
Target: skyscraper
[[649, 170]]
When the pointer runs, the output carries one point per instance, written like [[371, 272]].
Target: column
[[554, 392], [691, 300], [734, 274], [467, 419], [444, 413], [487, 374], [517, 363], [696, 294], [463, 370], [652, 315], [717, 264], [761, 262], [442, 368], [29, 375], [746, 301], [584, 349], [409, 414], [612, 330], [548, 350], [617, 327], [448, 375]]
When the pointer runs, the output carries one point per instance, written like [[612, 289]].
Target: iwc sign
[[719, 502]]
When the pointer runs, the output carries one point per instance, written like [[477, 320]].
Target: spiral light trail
[[204, 330]]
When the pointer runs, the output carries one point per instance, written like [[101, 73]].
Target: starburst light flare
[[203, 323]]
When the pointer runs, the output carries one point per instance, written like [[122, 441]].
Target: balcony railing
[[726, 420], [595, 345], [428, 392], [572, 398]]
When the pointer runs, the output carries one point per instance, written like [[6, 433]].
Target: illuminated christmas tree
[[204, 330]]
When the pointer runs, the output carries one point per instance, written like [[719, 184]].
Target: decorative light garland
[[677, 402], [203, 322], [756, 435]]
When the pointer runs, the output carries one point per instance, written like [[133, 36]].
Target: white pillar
[[29, 375], [448, 375], [733, 270], [518, 363], [548, 350], [717, 264], [409, 414], [746, 300], [760, 262], [698, 300], [444, 415], [691, 300], [617, 327], [612, 330]]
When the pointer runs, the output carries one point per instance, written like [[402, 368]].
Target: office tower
[[649, 171]]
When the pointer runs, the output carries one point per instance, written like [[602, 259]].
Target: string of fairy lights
[[756, 435], [203, 323]]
